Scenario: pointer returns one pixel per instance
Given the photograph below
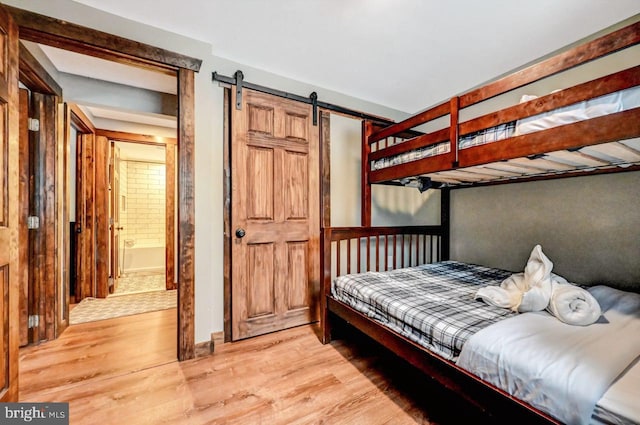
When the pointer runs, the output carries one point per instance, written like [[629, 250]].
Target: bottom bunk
[[428, 315]]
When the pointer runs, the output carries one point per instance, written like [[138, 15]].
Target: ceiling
[[99, 69], [140, 152], [404, 54]]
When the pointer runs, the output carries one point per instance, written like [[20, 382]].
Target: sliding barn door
[[275, 215], [9, 203]]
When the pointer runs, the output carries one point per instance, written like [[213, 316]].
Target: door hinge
[[34, 124], [33, 222], [34, 321]]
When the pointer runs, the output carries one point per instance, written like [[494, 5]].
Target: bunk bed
[[370, 274]]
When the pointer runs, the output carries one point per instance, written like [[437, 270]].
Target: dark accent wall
[[588, 226]]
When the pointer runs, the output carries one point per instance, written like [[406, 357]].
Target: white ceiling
[[140, 152], [127, 115], [404, 54], [100, 69]]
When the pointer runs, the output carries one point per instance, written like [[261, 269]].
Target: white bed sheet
[[604, 105], [561, 369], [619, 405]]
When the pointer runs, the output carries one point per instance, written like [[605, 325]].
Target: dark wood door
[[9, 204], [275, 215]]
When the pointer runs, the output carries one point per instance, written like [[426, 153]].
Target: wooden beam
[[123, 136], [365, 208], [186, 214], [609, 170], [585, 91], [101, 205], [466, 385], [608, 128], [414, 168], [445, 223], [421, 118], [423, 141], [325, 168], [226, 185], [64, 236], [34, 76], [78, 118], [58, 33]]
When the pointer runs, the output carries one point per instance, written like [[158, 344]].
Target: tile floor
[[135, 283], [135, 293]]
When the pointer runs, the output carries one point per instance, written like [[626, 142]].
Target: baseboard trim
[[206, 348]]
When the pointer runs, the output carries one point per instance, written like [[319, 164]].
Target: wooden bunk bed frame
[[377, 240]]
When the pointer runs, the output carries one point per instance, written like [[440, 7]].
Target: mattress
[[604, 105], [432, 304], [619, 404], [567, 370]]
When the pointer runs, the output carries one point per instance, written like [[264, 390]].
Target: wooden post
[[325, 283], [445, 200], [453, 129], [186, 215], [365, 211]]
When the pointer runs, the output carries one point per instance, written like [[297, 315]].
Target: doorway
[[138, 212], [138, 239], [41, 29]]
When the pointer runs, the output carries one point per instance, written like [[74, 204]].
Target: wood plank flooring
[[123, 371]]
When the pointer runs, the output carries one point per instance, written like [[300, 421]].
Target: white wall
[[208, 140], [391, 205]]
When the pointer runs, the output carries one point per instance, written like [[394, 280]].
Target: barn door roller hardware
[[239, 77], [238, 81]]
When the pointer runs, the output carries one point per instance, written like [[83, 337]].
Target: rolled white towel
[[573, 305]]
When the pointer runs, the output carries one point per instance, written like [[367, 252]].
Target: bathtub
[[143, 259]]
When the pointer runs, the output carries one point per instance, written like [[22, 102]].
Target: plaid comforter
[[432, 305]]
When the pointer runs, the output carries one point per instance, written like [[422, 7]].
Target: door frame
[[85, 201], [169, 144], [55, 32]]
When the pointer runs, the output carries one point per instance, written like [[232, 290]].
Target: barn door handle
[[240, 232]]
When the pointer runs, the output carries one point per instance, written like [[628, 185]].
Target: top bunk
[[589, 128]]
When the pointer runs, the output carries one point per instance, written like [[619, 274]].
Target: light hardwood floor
[[122, 371]]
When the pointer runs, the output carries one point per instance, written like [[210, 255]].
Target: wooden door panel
[[9, 208], [260, 282], [275, 200], [296, 186], [259, 183], [296, 127], [260, 119], [296, 286]]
